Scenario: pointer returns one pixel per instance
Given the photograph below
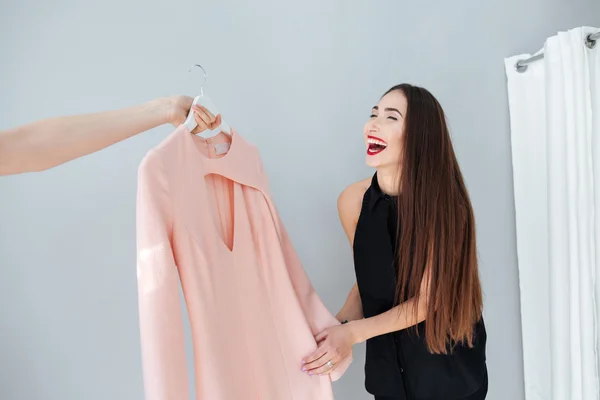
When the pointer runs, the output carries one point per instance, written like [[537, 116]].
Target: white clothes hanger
[[207, 103]]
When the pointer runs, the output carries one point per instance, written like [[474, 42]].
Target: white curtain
[[555, 137]]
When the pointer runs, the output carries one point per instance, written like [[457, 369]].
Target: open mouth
[[376, 145]]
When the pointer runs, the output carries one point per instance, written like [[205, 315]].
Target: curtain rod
[[521, 65]]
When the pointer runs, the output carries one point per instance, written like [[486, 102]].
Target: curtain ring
[[589, 42], [519, 67]]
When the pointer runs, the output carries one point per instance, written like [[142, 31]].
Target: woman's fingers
[[201, 124], [326, 368], [209, 121], [217, 121], [204, 114], [315, 360], [214, 124], [322, 335], [325, 364], [202, 118]]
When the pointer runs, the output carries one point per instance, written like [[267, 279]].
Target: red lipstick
[[375, 145]]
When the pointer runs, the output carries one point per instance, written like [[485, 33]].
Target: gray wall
[[298, 80]]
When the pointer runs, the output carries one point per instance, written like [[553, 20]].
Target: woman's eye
[[372, 116], [394, 118]]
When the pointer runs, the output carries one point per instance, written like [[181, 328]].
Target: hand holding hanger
[[182, 105], [200, 107], [43, 144], [204, 118]]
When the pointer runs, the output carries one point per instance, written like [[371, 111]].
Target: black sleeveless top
[[398, 363]]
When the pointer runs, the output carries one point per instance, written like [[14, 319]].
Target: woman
[[47, 143], [417, 302]]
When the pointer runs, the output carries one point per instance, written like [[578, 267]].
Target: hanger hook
[[203, 71]]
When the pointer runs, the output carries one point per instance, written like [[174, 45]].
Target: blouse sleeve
[[317, 314], [161, 321]]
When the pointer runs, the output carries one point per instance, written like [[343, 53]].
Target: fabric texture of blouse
[[207, 222], [398, 364]]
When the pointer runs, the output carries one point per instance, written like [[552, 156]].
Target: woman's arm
[[47, 143], [337, 341], [400, 317], [352, 308], [349, 204]]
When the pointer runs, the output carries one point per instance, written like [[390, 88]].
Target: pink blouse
[[207, 221]]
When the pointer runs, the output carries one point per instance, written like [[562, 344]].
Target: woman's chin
[[379, 163], [372, 162]]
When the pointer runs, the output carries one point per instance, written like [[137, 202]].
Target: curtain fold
[[554, 119]]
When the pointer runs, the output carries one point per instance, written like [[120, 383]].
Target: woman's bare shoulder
[[355, 191], [350, 204]]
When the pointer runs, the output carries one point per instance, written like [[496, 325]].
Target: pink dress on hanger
[[209, 222]]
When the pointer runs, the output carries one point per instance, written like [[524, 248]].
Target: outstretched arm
[[47, 143]]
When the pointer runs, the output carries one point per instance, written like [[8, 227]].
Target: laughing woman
[[417, 301]]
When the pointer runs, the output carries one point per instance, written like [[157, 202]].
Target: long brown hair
[[436, 227]]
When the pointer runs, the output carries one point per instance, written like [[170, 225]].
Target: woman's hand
[[178, 108], [335, 344], [44, 144]]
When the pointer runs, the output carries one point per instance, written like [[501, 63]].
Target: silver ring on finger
[[329, 364]]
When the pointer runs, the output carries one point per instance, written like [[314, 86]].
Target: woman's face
[[383, 131]]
